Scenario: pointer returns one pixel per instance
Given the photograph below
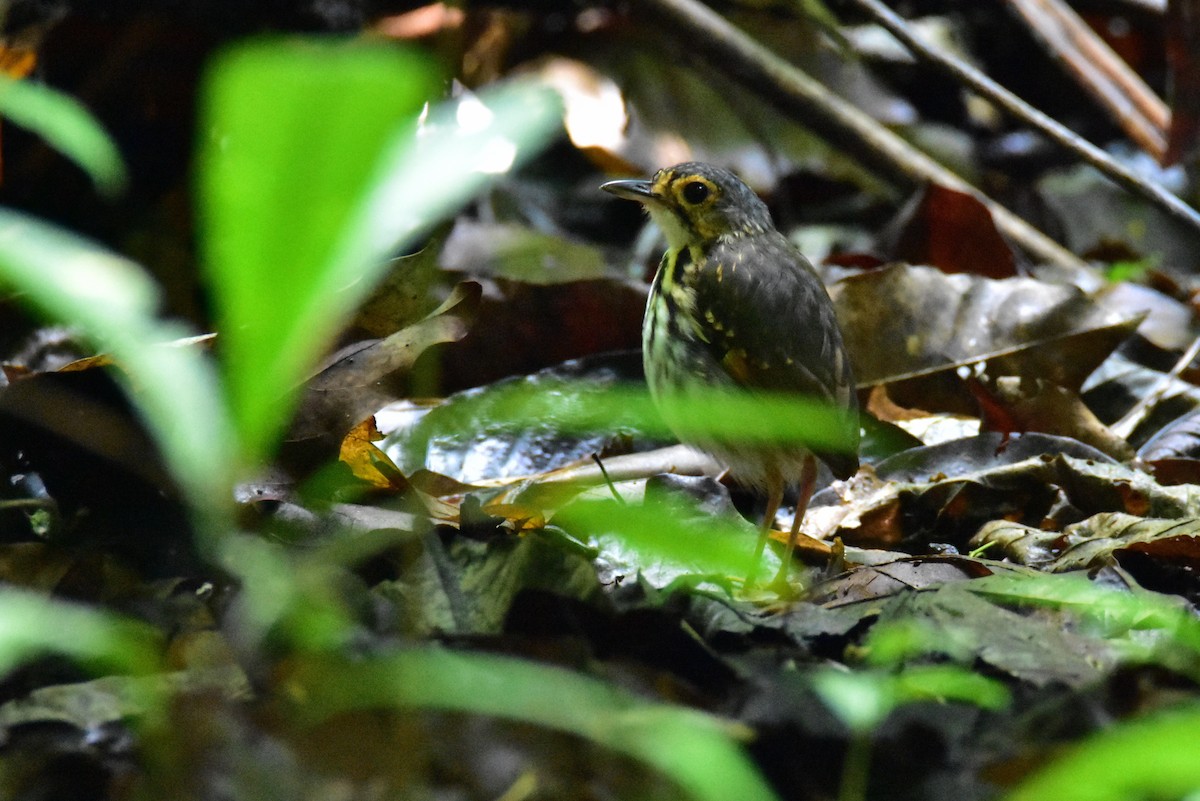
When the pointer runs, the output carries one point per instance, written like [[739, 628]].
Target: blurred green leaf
[[892, 644], [1114, 613], [69, 128], [860, 700], [762, 417], [312, 173], [113, 302], [661, 531], [949, 683], [294, 595], [696, 750], [1131, 270], [1153, 757], [32, 626], [864, 699], [295, 133]]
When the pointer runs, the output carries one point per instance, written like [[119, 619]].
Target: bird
[[735, 307]]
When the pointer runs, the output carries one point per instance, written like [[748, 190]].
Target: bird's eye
[[695, 192]]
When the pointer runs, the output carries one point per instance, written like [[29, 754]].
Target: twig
[[985, 86], [707, 34], [1124, 427], [1100, 71]]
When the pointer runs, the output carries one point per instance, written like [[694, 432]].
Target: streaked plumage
[[735, 305]]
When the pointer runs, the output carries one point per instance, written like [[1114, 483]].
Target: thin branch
[[707, 34], [1118, 174], [1153, 6], [1105, 75]]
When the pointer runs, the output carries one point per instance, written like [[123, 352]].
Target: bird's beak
[[641, 191]]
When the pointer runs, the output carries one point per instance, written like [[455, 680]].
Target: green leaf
[[860, 700], [696, 750], [113, 302], [294, 134], [864, 699], [312, 174], [768, 418], [950, 683], [68, 127], [1153, 757], [32, 626], [667, 531], [1114, 613]]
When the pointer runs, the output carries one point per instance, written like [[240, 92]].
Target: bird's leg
[[774, 498], [808, 478]]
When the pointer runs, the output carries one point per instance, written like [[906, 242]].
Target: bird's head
[[696, 203]]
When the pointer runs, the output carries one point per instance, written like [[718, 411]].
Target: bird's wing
[[775, 329]]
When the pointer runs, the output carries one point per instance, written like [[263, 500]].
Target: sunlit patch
[[472, 115], [497, 156], [596, 115], [420, 22]]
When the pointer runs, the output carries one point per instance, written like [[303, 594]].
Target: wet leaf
[[472, 435], [1030, 481], [1018, 326], [1179, 439], [1168, 321], [1121, 382]]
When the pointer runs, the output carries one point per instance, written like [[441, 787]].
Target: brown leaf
[[521, 328], [367, 462], [905, 573], [954, 232], [947, 493], [1018, 405], [352, 386], [1170, 472], [1162, 554], [913, 327], [405, 295]]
